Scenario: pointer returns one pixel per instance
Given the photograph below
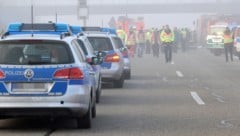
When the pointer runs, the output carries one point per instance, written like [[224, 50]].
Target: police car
[[124, 50], [89, 53], [44, 73], [113, 62]]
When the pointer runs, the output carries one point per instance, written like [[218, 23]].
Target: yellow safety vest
[[121, 34], [148, 36], [131, 40], [228, 38], [166, 37]]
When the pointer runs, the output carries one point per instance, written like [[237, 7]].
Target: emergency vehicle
[[215, 40], [44, 73], [237, 41]]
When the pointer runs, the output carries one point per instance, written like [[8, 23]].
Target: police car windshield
[[118, 42], [217, 30], [101, 43], [34, 52]]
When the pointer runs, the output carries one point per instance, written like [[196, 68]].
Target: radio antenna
[[56, 17], [32, 17]]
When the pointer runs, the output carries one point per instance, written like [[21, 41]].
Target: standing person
[[148, 43], [121, 33], [167, 38], [155, 43], [141, 43], [131, 42], [176, 39], [183, 39], [228, 44]]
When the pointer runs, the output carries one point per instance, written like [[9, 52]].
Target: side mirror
[[123, 49], [96, 60]]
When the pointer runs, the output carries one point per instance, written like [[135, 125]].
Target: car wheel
[[238, 54], [85, 122], [94, 111], [98, 92], [128, 75], [118, 83]]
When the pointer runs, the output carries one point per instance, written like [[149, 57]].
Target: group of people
[[154, 40], [166, 40]]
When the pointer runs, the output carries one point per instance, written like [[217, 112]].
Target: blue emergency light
[[47, 28], [109, 30], [62, 28], [76, 29], [14, 27], [99, 29]]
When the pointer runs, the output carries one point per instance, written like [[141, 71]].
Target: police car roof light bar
[[47, 28], [90, 28], [99, 29], [76, 29], [109, 30]]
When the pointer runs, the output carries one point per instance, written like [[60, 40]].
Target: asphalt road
[[198, 95]]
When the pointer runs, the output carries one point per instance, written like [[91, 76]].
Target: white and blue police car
[[89, 53], [43, 72], [113, 62]]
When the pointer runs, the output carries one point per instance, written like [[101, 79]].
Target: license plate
[[217, 40], [30, 87]]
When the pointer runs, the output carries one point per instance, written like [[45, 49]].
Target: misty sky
[[90, 2], [151, 20]]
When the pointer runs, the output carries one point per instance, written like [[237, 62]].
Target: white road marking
[[179, 74], [220, 100], [197, 98], [164, 79], [206, 88], [225, 124], [235, 57], [218, 97]]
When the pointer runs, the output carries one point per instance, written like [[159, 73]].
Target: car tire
[[238, 54], [128, 75], [118, 83], [97, 96], [94, 110], [85, 122], [99, 90]]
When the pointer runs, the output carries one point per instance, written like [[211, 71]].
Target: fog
[[67, 11]]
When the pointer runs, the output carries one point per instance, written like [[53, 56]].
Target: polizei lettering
[[14, 73]]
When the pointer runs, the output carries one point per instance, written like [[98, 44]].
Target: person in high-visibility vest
[[131, 42], [183, 33], [140, 42], [148, 38], [167, 38], [121, 33], [228, 43], [155, 40]]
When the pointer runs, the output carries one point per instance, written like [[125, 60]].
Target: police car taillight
[[69, 73], [2, 75], [112, 58]]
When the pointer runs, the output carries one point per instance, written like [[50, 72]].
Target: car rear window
[[34, 52], [101, 43], [82, 46], [118, 42]]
